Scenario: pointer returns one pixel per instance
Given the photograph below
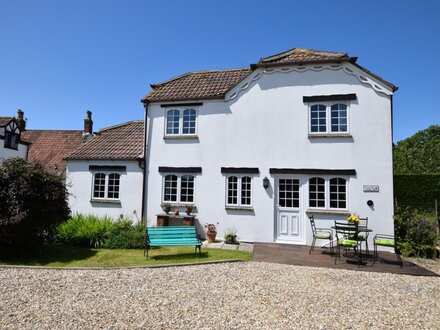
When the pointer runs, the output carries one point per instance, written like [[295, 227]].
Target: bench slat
[[171, 243]]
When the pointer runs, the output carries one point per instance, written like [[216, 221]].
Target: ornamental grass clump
[[85, 230], [101, 232]]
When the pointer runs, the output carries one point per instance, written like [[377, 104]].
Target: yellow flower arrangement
[[353, 218]]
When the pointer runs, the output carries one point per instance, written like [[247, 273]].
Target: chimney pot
[[88, 123], [20, 120]]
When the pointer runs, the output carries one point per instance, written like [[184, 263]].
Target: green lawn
[[73, 256]]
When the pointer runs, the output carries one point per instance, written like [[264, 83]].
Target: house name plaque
[[371, 188]]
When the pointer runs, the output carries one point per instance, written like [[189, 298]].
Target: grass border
[[127, 267]]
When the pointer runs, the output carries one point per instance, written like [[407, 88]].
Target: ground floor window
[[106, 185], [178, 188], [238, 190], [328, 193]]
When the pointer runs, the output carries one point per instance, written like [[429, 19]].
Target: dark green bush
[[95, 232], [125, 235], [32, 203], [416, 233]]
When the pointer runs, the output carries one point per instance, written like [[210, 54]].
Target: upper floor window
[[339, 118], [181, 122], [106, 185], [11, 140], [328, 193], [178, 188], [12, 135], [238, 190], [328, 118]]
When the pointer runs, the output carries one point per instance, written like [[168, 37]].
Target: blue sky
[[61, 58]]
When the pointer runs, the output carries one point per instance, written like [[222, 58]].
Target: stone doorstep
[[248, 247]]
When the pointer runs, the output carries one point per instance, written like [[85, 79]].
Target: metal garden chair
[[320, 233], [389, 241], [346, 237], [363, 236]]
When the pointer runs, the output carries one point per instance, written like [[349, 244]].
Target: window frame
[[239, 190], [327, 179], [328, 118], [178, 200], [106, 186], [181, 110]]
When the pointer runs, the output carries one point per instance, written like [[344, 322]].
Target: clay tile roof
[[197, 85], [123, 141], [5, 120], [302, 55], [50, 147]]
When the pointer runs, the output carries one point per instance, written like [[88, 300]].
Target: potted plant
[[166, 207], [353, 218], [231, 236], [211, 232], [189, 209]]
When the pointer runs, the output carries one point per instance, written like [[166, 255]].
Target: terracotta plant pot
[[211, 236]]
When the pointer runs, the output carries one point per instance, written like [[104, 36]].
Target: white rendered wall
[[6, 153], [266, 126], [79, 184]]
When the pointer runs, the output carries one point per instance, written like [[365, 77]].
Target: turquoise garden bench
[[172, 236]]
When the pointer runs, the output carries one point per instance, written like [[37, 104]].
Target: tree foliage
[[419, 153], [32, 202]]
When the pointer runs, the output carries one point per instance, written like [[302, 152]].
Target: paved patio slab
[[299, 255]]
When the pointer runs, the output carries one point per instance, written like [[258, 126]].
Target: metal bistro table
[[361, 229]]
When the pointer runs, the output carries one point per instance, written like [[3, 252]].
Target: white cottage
[[259, 150], [12, 144], [104, 176]]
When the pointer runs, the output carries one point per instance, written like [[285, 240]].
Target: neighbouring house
[[50, 147], [260, 149], [105, 175], [12, 143]]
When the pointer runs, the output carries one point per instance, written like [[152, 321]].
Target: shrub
[[231, 236], [32, 203], [85, 230], [125, 235], [95, 232], [416, 233]]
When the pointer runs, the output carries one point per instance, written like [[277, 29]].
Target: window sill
[[330, 135], [334, 212], [181, 137], [239, 208], [174, 204], [105, 201]]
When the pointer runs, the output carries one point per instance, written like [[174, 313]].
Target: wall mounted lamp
[[265, 182]]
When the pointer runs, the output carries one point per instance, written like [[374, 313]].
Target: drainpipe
[[144, 182]]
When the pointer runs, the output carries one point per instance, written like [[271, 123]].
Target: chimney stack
[[20, 120], [88, 123]]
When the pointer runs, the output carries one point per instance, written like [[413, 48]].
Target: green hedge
[[418, 191]]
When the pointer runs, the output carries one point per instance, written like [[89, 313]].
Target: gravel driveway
[[247, 295]]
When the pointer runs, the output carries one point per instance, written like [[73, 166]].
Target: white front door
[[289, 224]]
